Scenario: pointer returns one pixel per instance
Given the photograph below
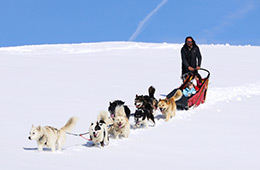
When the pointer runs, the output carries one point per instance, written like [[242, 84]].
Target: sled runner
[[196, 99]]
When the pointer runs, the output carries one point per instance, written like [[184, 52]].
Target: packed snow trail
[[215, 96]]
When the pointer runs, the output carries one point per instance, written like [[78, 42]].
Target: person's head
[[190, 85], [189, 41]]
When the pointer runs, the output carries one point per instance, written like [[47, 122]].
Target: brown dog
[[168, 106]]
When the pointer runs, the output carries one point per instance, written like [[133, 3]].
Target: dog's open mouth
[[137, 121], [162, 109], [95, 134], [120, 125], [138, 105], [112, 115]]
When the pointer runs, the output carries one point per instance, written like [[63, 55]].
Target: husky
[[121, 123], [98, 132], [50, 136], [168, 106], [145, 101], [114, 104], [142, 116]]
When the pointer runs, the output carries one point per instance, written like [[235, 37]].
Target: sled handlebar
[[203, 69]]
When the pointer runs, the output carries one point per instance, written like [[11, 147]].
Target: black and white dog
[[142, 116], [98, 133], [145, 101], [116, 103]]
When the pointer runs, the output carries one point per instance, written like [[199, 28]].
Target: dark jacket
[[190, 57]]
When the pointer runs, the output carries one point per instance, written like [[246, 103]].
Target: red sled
[[198, 98]]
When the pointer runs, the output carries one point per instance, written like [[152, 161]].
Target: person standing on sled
[[191, 57]]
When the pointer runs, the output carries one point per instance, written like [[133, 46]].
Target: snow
[[47, 84]]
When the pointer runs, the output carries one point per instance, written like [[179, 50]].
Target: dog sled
[[198, 98]]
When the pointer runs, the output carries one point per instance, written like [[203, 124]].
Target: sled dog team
[[114, 125]]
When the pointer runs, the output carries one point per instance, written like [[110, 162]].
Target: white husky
[[50, 136], [121, 123]]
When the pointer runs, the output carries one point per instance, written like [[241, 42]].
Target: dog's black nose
[[29, 137]]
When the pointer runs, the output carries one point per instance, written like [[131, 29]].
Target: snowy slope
[[46, 84]]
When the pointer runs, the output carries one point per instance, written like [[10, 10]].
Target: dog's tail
[[120, 111], [177, 95], [70, 124], [104, 117], [151, 91]]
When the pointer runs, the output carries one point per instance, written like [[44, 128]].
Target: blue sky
[[27, 22]]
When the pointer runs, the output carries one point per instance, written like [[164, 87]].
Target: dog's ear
[[102, 121], [160, 100], [32, 126], [136, 95], [110, 103], [39, 127]]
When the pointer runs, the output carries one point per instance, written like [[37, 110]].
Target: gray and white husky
[[50, 136]]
